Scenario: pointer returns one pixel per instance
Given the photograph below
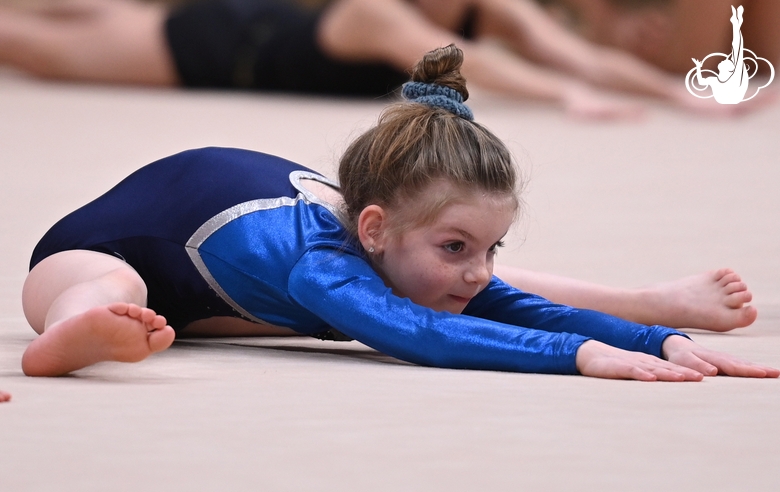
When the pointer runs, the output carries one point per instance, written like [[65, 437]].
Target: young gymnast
[[227, 242]]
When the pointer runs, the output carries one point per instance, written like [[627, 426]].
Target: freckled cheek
[[438, 279], [418, 281]]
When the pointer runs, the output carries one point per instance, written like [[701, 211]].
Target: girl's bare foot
[[120, 332], [712, 301], [4, 396]]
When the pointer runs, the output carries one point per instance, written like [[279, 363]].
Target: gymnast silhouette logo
[[730, 84]]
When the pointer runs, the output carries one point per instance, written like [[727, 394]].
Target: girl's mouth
[[463, 300]]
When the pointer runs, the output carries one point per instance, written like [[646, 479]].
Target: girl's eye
[[499, 244], [454, 247]]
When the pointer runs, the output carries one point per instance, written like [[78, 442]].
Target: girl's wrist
[[674, 343]]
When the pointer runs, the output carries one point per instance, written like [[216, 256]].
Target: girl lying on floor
[[227, 242]]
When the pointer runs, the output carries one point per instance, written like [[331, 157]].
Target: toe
[[747, 315], [161, 339], [119, 308], [147, 315], [159, 322], [734, 287], [134, 311], [729, 278], [737, 299], [720, 273], [739, 318]]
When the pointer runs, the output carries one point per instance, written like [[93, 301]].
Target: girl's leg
[[711, 301], [685, 29], [88, 307], [691, 29], [118, 41]]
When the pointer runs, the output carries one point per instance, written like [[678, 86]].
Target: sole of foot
[[117, 332]]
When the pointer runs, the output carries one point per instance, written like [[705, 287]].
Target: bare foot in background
[[713, 300]]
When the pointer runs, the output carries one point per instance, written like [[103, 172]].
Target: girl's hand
[[604, 361], [688, 353]]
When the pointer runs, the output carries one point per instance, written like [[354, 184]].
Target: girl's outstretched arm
[[346, 293]]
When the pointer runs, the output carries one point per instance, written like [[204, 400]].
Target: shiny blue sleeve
[[345, 292], [505, 304]]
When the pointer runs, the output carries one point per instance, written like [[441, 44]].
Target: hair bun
[[437, 82], [442, 67]]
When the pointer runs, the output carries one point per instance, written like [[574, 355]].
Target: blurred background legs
[[116, 41], [668, 33]]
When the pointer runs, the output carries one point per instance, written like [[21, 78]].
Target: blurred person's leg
[[761, 29], [118, 41], [668, 33], [254, 44], [398, 32]]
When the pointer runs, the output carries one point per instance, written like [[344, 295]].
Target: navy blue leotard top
[[228, 232]]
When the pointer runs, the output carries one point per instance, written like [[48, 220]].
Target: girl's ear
[[371, 228]]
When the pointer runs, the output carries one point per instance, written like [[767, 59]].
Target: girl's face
[[442, 265]]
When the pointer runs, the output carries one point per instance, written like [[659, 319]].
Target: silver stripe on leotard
[[225, 217], [297, 176]]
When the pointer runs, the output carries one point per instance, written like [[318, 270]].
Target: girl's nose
[[478, 273]]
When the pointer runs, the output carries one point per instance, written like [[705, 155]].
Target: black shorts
[[267, 45]]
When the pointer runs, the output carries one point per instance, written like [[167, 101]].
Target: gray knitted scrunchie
[[437, 96]]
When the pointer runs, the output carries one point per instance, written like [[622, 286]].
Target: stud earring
[[371, 249]]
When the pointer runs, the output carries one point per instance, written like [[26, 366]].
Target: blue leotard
[[228, 232]]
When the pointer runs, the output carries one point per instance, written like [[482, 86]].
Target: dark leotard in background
[[271, 45], [266, 45]]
